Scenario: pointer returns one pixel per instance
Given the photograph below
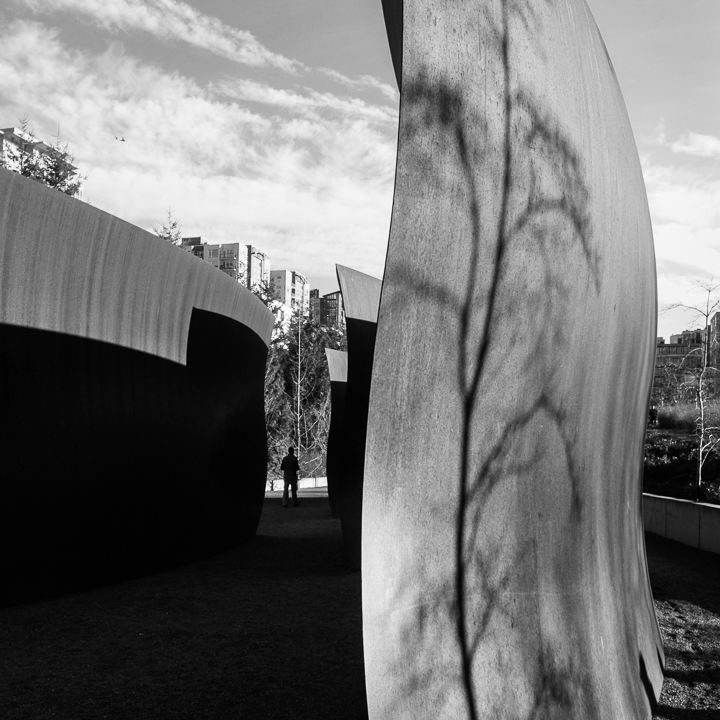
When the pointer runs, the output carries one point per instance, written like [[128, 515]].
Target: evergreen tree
[[51, 165], [170, 231]]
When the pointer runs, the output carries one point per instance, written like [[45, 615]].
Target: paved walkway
[[271, 630]]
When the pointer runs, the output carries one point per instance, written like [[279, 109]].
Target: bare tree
[[297, 389], [704, 376], [310, 389]]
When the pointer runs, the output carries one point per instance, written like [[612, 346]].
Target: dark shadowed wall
[[335, 461], [132, 391], [361, 297]]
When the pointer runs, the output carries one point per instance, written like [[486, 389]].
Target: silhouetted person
[[290, 467], [653, 415]]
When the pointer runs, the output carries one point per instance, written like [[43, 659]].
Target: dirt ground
[[686, 587], [272, 630]]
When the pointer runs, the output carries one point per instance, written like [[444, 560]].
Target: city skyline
[[275, 125]]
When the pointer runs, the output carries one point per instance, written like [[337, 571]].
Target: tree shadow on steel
[[543, 223]]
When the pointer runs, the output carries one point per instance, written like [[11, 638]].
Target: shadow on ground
[[271, 629], [686, 587]]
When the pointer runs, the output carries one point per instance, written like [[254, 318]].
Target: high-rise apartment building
[[231, 260], [292, 289], [257, 268]]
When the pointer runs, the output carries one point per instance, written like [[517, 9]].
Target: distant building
[[231, 260], [675, 365], [257, 268], [687, 337], [327, 311], [715, 340], [243, 263], [332, 311], [315, 305], [205, 251], [291, 289], [14, 146], [675, 353], [194, 245]]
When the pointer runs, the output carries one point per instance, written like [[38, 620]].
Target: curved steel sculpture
[[361, 297], [131, 382], [335, 463], [504, 571]]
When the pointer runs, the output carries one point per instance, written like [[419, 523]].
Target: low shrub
[[662, 449], [671, 464]]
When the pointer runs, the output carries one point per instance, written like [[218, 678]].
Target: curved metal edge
[[360, 293], [337, 364], [71, 268], [393, 12], [649, 664]]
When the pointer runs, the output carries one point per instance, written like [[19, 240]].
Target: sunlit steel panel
[[503, 558]]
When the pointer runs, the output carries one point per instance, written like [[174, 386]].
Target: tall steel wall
[[131, 382], [335, 463], [503, 559], [361, 297]]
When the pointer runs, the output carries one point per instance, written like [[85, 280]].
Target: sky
[[274, 122]]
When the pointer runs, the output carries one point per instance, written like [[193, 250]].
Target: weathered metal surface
[[503, 558], [131, 382], [70, 268], [335, 460], [361, 298]]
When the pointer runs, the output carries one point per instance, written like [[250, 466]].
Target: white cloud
[[684, 196], [706, 146], [306, 100], [364, 81], [685, 210], [172, 20], [306, 176]]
